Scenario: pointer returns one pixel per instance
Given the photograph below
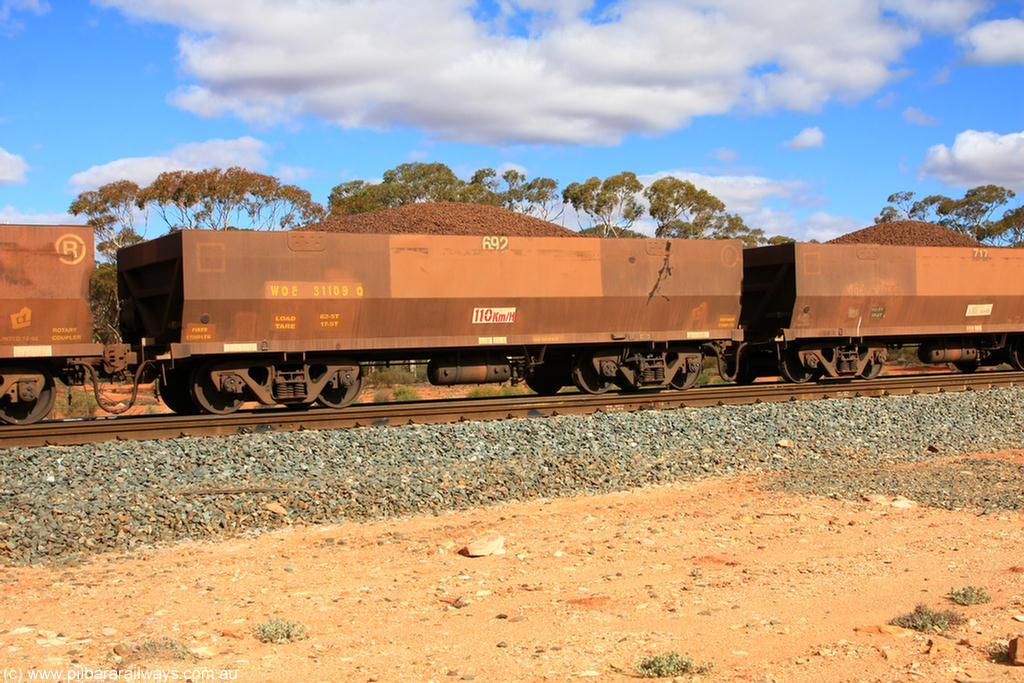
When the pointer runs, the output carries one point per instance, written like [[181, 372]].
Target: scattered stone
[[885, 630], [204, 652], [118, 496], [940, 646], [482, 547], [785, 443], [232, 633], [1017, 651], [276, 508]]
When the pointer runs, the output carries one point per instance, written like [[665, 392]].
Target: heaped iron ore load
[[830, 309], [291, 317], [45, 323], [444, 218], [908, 234]]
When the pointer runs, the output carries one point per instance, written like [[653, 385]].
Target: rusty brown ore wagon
[[45, 323], [833, 310], [294, 317]]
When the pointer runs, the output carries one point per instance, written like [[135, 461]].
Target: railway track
[[82, 431]]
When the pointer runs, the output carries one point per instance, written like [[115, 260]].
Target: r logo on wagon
[[491, 315]]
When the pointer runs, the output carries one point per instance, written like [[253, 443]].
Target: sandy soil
[[768, 586]]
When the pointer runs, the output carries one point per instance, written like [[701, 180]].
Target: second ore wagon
[[292, 317]]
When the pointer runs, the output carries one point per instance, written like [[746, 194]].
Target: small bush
[[389, 377], [670, 664], [404, 393], [927, 620], [969, 595], [80, 403], [488, 390], [280, 631], [382, 395], [156, 650], [999, 651]]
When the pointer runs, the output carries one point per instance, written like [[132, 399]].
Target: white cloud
[[918, 117], [12, 216], [291, 174], [979, 158], [246, 152], [12, 168], [995, 42], [9, 26], [649, 68], [741, 194], [808, 138], [937, 15], [724, 154], [823, 227], [765, 203]]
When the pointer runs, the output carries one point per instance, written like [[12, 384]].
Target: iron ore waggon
[[295, 318], [813, 310], [45, 323], [292, 317]]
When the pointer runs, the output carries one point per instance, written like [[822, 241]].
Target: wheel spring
[[290, 386]]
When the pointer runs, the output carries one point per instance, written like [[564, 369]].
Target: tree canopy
[[683, 210], [974, 214], [611, 204], [435, 182]]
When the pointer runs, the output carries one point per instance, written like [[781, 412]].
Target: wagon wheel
[[684, 378], [209, 397], [587, 379], [872, 370], [1016, 353], [793, 369], [176, 393], [346, 391], [967, 366], [29, 409], [546, 379]]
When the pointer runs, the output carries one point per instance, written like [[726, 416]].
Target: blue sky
[[801, 115]]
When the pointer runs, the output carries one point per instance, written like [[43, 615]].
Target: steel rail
[[142, 427]]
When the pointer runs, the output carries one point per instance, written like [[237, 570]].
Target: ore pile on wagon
[[444, 218], [908, 234]]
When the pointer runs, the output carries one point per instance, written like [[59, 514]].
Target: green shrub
[[969, 595], [80, 403], [389, 377], [404, 393], [999, 651], [156, 650], [670, 664], [927, 620], [488, 390], [280, 631], [382, 395]]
